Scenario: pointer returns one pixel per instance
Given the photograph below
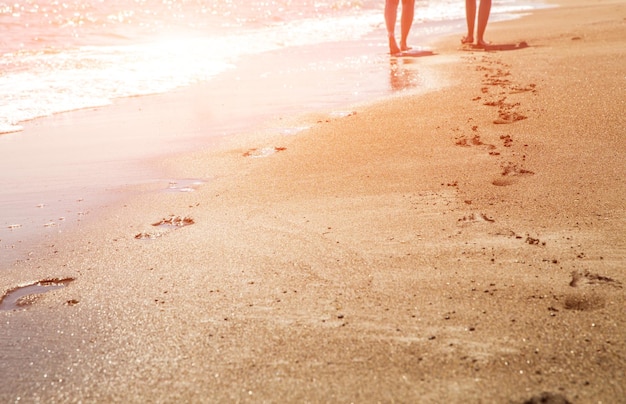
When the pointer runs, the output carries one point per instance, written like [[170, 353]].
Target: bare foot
[[467, 40], [481, 43], [393, 46]]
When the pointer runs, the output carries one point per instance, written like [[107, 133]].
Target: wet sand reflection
[[403, 73]]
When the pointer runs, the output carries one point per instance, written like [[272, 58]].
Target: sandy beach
[[461, 245]]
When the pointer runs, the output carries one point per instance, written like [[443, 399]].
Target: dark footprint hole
[[583, 302], [503, 182], [548, 398], [22, 296]]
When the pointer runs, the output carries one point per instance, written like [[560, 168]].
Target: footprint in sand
[[174, 221], [464, 141], [514, 169], [148, 235], [503, 182], [583, 302], [169, 223], [510, 175], [473, 217], [264, 152], [22, 296], [508, 117], [547, 398], [588, 278]]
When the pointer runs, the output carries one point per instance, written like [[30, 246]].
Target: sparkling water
[[63, 55]]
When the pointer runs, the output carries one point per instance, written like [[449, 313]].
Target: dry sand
[[466, 245]]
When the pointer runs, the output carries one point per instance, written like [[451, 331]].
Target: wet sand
[[63, 168], [464, 245]]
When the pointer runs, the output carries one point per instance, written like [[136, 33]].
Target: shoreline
[[64, 188], [460, 245], [77, 175]]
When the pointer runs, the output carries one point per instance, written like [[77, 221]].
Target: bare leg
[[408, 10], [391, 13], [483, 17], [470, 17]]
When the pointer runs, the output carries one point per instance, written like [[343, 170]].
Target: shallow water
[[61, 56]]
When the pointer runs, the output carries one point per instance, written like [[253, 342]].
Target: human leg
[[408, 11], [470, 17], [391, 13], [483, 18]]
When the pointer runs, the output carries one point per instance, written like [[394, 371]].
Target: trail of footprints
[[497, 89], [497, 86]]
